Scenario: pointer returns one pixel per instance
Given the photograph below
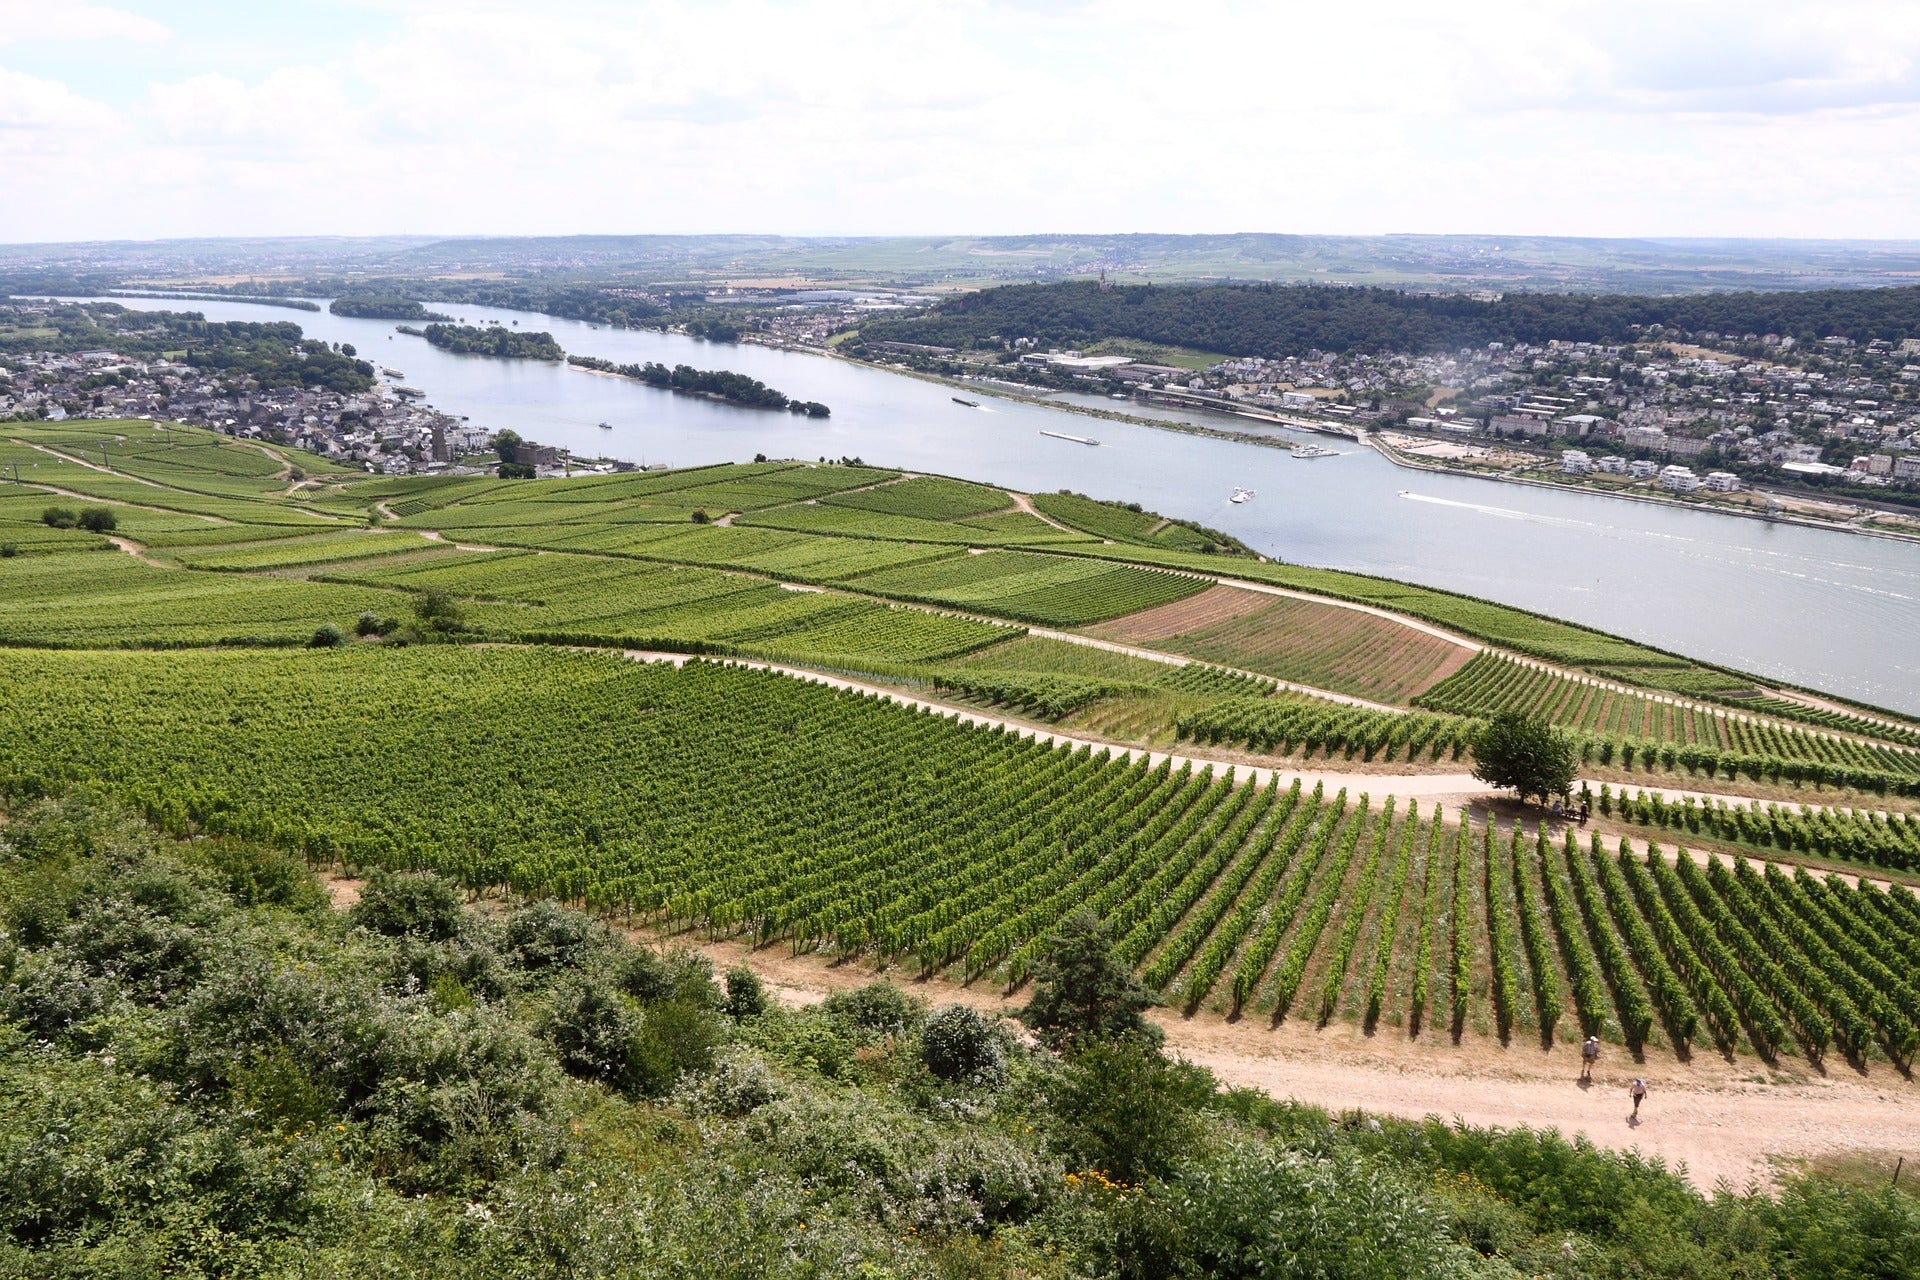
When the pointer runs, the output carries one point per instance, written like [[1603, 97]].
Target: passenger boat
[[1314, 451]]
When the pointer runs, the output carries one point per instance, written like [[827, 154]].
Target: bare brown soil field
[[1323, 645]]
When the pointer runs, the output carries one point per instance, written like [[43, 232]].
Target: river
[[1831, 610]]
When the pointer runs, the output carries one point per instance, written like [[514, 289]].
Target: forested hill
[[1278, 320]]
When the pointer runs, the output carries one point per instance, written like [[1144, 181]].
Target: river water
[[1831, 610]]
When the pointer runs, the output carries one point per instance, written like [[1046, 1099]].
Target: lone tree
[[1084, 995], [1525, 753], [507, 445]]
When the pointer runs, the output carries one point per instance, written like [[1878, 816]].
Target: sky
[[141, 120]]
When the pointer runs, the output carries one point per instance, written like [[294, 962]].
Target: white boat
[[1061, 435], [1240, 495], [1311, 450], [391, 373]]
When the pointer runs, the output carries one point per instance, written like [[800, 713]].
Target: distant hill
[[1276, 320]]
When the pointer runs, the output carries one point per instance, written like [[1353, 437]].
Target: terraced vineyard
[[1625, 726], [863, 828], [1049, 590], [1321, 645]]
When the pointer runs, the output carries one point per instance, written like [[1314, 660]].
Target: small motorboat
[[606, 426], [971, 404], [1240, 495]]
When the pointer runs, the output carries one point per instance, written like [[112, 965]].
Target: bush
[[410, 904], [979, 1181], [59, 517], [546, 935], [327, 636], [1130, 1113], [8, 550], [372, 624], [957, 1044], [98, 520], [877, 1009], [595, 1027], [746, 994], [675, 1038], [739, 1084]]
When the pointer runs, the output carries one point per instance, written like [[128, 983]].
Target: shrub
[[595, 1028], [675, 1038], [372, 624], [877, 1009], [98, 520], [410, 904], [1130, 1113], [327, 636], [746, 994], [957, 1044], [545, 935], [981, 1180], [8, 550], [739, 1084], [59, 517]]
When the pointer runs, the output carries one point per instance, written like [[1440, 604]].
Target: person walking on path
[[1638, 1092], [1589, 1054]]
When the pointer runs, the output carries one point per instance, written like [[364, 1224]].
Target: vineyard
[[744, 802], [1303, 641], [1618, 725]]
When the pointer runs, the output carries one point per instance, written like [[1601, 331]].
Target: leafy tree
[[516, 471], [507, 444], [98, 520], [1083, 994], [1525, 753]]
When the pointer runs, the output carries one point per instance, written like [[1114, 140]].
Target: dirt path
[[138, 551], [1025, 503], [1721, 1120], [1724, 1121]]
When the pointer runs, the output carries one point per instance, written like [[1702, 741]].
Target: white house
[[1575, 462], [1641, 469], [1722, 482], [1679, 479], [1613, 466]]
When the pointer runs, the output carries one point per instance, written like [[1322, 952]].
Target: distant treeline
[[275, 354], [493, 340], [1280, 320], [382, 307], [718, 384], [291, 304]]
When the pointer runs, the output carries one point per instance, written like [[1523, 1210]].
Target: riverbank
[[1398, 459]]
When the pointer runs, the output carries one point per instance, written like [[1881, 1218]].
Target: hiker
[[1638, 1091], [1589, 1054], [1586, 808]]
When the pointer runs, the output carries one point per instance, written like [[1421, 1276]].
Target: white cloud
[[1554, 116], [24, 20]]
